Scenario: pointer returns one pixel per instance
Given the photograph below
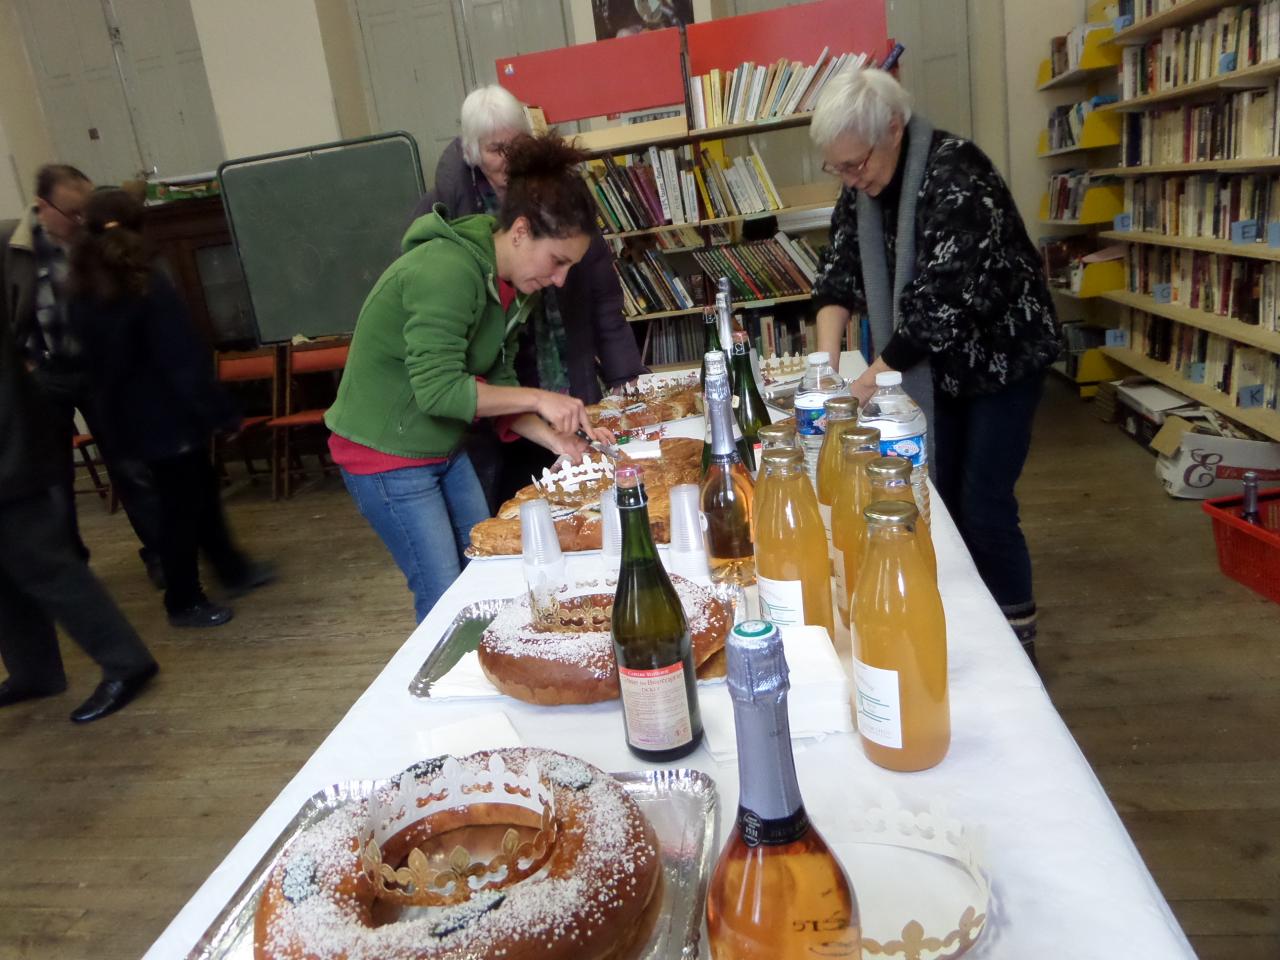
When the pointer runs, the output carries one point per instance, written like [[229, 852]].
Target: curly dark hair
[[111, 260], [544, 187]]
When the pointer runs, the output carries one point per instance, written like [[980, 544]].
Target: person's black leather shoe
[[203, 614], [111, 695], [255, 575], [11, 692]]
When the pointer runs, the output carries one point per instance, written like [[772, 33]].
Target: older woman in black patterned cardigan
[[927, 241]]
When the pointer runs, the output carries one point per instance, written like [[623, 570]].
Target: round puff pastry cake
[[587, 886], [572, 661]]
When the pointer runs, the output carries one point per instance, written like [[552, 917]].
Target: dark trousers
[[130, 478], [981, 445], [43, 580], [192, 521]]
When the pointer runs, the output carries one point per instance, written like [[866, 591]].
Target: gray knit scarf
[[882, 301]]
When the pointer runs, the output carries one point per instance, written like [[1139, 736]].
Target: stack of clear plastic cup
[[610, 533], [544, 564], [688, 552]]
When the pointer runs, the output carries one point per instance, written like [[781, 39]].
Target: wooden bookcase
[[1259, 75], [651, 71]]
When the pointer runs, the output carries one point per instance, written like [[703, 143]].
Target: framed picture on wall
[[621, 18]]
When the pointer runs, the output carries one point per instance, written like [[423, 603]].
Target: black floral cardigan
[[979, 305]]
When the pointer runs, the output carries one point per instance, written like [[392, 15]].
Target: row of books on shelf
[[1234, 287], [757, 91], [1236, 37], [1204, 206], [760, 270], [1250, 376], [1067, 190], [681, 339], [1240, 126], [1066, 122], [678, 186], [1065, 52]]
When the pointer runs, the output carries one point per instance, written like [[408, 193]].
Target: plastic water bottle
[[819, 383], [903, 431]]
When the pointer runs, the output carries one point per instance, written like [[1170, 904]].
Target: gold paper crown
[[456, 788], [575, 612]]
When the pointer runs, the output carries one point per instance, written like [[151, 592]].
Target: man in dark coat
[[33, 300], [43, 577]]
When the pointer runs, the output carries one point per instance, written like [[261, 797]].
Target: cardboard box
[[1198, 466], [1144, 407]]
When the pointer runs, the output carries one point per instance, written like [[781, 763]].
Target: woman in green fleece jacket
[[434, 348]]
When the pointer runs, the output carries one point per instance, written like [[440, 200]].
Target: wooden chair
[[91, 461], [257, 366], [286, 464]]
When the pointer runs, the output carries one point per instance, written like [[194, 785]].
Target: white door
[[168, 87], [935, 67], [80, 85], [415, 70], [87, 92], [507, 28]]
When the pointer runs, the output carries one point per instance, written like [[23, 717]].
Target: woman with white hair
[[579, 337], [927, 241]]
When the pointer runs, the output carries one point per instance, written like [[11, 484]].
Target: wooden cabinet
[[193, 242]]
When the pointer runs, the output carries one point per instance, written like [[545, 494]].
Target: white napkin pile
[[819, 702]]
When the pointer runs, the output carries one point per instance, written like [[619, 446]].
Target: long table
[[1066, 880]]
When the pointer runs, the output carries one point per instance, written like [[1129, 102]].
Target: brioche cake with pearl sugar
[[574, 491], [515, 853], [566, 655]]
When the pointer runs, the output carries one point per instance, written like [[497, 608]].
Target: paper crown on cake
[[454, 789], [583, 606], [574, 477]]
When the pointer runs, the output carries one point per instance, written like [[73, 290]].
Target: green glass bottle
[[711, 340], [651, 640], [748, 405], [719, 360]]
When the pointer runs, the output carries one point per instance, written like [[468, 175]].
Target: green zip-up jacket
[[432, 324]]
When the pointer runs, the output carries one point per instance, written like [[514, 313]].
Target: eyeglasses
[[848, 169], [77, 217]]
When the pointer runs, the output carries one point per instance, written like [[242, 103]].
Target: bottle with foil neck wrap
[[717, 362], [728, 493], [1249, 511], [778, 892], [711, 340], [651, 640], [748, 406], [724, 322]]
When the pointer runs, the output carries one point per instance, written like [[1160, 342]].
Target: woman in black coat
[[579, 338], [155, 393], [927, 241]]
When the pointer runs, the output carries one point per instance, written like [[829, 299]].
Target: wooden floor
[[1166, 672]]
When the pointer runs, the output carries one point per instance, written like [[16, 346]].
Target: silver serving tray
[[682, 805], [467, 627]]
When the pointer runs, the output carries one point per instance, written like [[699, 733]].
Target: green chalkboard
[[315, 228]]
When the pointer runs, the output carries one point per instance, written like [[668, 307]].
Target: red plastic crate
[[1248, 553]]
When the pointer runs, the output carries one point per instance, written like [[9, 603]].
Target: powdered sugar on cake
[[609, 837]]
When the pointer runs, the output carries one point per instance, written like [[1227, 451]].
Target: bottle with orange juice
[[890, 479], [899, 645], [841, 415], [792, 570], [858, 447]]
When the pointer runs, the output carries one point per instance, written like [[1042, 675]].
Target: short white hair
[[485, 112], [861, 102]]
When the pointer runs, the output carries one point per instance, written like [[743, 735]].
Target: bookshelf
[[1093, 60], [649, 177], [1196, 339], [1266, 422]]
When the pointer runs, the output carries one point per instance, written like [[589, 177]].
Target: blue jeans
[[982, 444], [424, 515]]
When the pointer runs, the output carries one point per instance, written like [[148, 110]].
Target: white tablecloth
[[1067, 881]]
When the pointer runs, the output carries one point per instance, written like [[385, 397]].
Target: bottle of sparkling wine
[[711, 340], [727, 489], [651, 639], [748, 405], [778, 892]]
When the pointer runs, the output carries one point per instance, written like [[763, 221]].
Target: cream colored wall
[[987, 80], [267, 74], [339, 34], [25, 142]]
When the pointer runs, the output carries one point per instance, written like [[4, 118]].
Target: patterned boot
[[1022, 618]]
